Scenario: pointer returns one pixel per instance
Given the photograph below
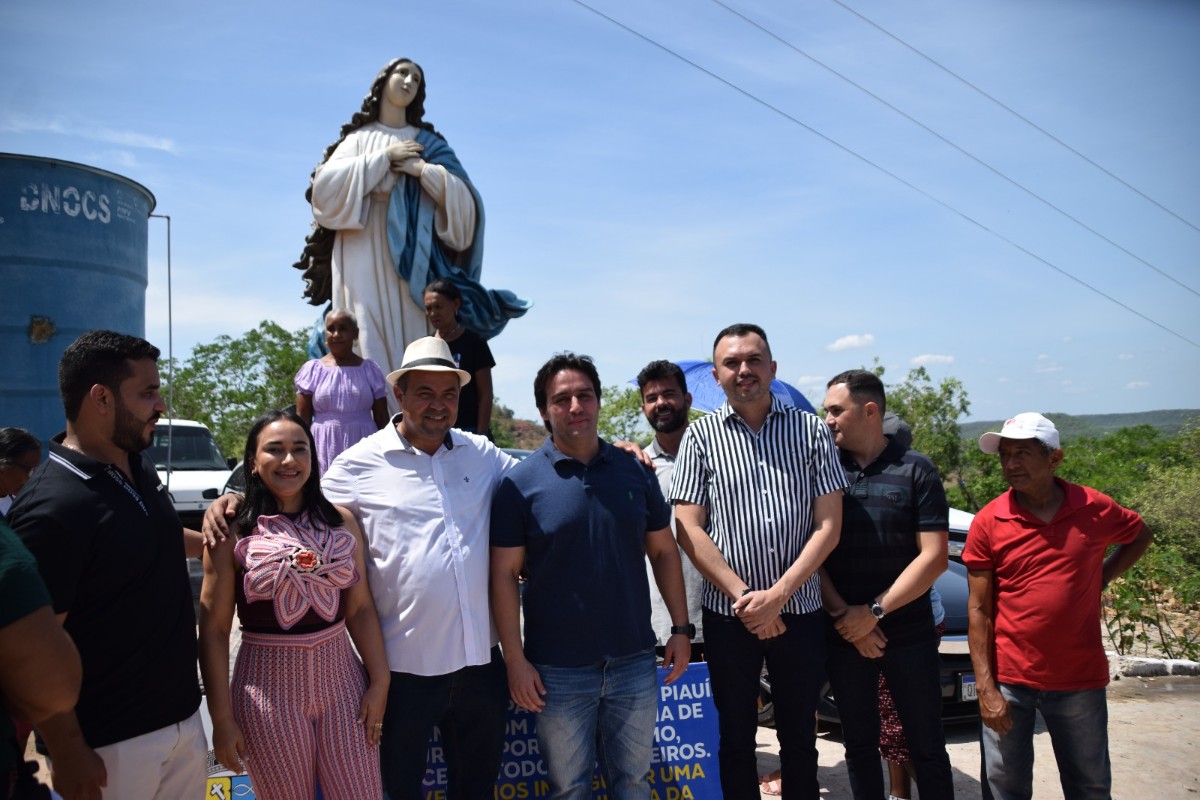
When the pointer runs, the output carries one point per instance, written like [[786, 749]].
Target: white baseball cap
[[1029, 425]]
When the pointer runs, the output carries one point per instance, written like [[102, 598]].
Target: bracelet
[[746, 591]]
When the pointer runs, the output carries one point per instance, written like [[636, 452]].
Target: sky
[[855, 175]]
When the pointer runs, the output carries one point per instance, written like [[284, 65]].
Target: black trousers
[[469, 706], [796, 663]]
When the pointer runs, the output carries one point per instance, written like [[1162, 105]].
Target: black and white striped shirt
[[759, 488]]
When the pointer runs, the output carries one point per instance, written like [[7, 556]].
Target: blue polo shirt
[[583, 527]]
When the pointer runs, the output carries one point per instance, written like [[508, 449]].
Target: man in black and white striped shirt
[[758, 507]]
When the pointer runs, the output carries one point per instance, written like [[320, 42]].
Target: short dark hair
[[661, 371], [557, 363], [259, 500], [98, 357], [14, 443], [445, 288], [864, 386], [742, 329]]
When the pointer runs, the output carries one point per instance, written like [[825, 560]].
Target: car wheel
[[766, 705], [826, 707]]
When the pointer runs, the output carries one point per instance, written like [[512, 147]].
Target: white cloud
[[852, 341], [1048, 368], [1125, 357], [1067, 338], [145, 141], [1138, 385], [1043, 357], [1002, 380], [930, 358]]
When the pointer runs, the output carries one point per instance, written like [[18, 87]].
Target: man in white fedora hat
[[422, 492], [1035, 557]]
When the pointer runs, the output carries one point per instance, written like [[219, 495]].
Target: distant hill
[[1094, 426]]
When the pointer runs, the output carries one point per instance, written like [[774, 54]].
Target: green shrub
[[1154, 606]]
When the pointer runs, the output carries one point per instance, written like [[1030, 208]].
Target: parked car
[[959, 701], [960, 522], [190, 465]]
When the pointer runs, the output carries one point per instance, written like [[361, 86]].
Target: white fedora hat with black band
[[429, 354]]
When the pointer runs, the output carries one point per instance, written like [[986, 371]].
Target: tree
[[1169, 497], [227, 384], [621, 417], [1118, 464], [932, 412]]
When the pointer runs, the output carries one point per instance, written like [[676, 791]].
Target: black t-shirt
[[472, 354], [111, 553]]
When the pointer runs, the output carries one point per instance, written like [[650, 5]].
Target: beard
[[128, 430], [675, 420]]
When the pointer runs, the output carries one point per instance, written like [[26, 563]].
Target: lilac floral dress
[[341, 399]]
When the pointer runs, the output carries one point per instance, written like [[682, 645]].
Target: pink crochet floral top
[[294, 572]]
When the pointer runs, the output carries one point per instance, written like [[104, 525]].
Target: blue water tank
[[72, 259]]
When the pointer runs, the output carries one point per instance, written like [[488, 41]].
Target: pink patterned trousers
[[296, 699]]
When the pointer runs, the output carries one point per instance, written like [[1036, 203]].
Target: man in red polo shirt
[[1036, 565]]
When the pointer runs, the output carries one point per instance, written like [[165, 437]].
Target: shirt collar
[[892, 453], [654, 451], [725, 412], [395, 441], [1074, 498], [556, 456]]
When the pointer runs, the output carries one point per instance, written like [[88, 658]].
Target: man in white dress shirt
[[422, 493]]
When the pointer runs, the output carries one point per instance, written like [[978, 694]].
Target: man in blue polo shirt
[[580, 518], [875, 586]]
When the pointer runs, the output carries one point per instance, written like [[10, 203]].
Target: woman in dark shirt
[[471, 353]]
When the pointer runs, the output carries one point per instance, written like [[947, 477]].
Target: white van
[[190, 465]]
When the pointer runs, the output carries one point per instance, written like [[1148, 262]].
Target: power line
[[1016, 114], [960, 149], [882, 169]]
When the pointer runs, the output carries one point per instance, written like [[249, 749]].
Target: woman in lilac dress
[[341, 395]]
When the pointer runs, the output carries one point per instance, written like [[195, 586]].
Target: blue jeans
[[613, 705], [1078, 726], [470, 707], [796, 663], [913, 676]]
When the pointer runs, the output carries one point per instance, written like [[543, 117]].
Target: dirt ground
[[1153, 729]]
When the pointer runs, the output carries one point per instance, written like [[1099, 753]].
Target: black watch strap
[[688, 630]]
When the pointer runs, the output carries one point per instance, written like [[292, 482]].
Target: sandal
[[771, 783]]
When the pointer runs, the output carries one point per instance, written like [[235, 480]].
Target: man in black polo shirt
[[111, 550], [875, 586]]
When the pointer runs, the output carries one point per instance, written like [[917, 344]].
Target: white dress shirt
[[426, 520]]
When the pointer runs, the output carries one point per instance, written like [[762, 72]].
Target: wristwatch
[[688, 630], [877, 611]]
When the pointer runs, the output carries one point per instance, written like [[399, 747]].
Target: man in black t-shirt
[[111, 550], [875, 587]]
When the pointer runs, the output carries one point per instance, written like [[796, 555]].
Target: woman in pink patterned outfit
[[300, 709]]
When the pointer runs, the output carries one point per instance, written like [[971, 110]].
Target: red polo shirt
[[1047, 585]]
